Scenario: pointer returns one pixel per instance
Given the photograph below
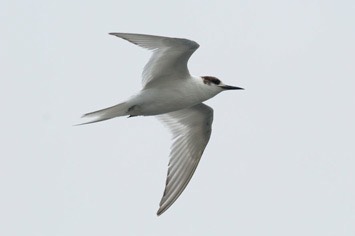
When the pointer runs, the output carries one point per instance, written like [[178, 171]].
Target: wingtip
[[163, 208], [117, 34], [78, 124], [160, 211]]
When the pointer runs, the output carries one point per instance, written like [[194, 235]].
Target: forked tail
[[107, 113]]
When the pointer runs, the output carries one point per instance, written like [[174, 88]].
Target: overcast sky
[[282, 153]]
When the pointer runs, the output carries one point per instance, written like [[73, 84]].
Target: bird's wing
[[191, 130], [169, 59]]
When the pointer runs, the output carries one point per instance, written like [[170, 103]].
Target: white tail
[[107, 113]]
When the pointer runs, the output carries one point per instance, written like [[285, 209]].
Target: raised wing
[[169, 59], [191, 129]]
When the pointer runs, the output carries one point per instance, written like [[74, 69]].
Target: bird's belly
[[161, 102]]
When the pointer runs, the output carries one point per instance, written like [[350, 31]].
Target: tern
[[175, 97]]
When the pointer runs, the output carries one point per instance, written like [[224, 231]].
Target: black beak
[[227, 87]]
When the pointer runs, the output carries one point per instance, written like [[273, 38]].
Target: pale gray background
[[281, 157]]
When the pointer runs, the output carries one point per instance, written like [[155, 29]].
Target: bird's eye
[[210, 79], [216, 81]]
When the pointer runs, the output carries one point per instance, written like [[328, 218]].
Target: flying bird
[[176, 98]]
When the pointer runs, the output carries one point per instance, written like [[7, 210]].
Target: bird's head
[[217, 84]]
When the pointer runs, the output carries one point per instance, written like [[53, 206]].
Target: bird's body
[[172, 96], [175, 97]]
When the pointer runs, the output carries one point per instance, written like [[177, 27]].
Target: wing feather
[[169, 59], [191, 130]]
